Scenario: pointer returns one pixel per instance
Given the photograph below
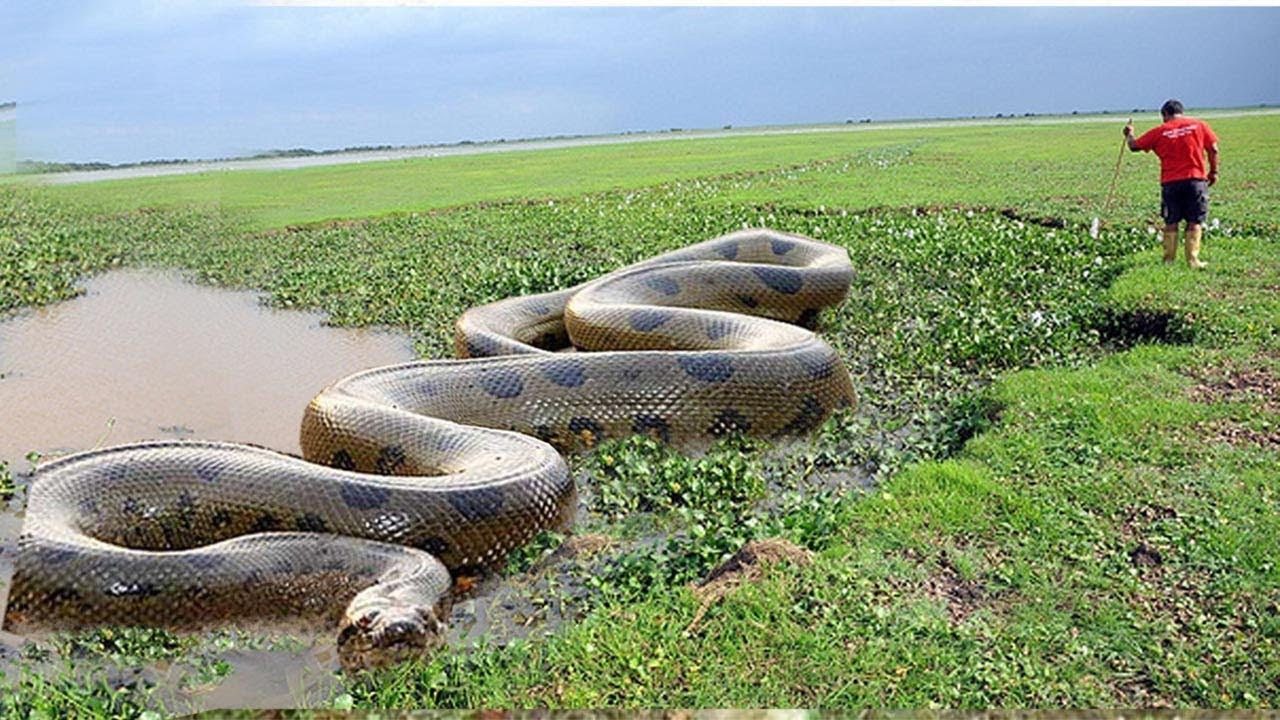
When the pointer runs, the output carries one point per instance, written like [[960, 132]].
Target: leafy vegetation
[[1072, 447]]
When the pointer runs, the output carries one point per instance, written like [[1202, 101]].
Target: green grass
[[1075, 445], [1056, 169], [1096, 549]]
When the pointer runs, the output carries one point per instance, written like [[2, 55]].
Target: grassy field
[[1074, 446], [1030, 166]]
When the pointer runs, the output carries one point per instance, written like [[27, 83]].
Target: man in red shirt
[[1181, 143]]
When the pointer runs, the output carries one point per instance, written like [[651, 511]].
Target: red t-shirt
[[1180, 145]]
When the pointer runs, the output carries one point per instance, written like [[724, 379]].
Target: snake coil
[[415, 470]]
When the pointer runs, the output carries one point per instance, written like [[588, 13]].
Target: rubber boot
[[1193, 247], [1170, 245]]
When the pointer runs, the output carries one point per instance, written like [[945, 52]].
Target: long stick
[[1123, 144]]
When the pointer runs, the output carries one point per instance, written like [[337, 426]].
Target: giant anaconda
[[415, 470]]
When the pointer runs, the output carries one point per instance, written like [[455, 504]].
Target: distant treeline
[[8, 105], [41, 166]]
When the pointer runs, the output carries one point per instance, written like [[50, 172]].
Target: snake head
[[378, 635]]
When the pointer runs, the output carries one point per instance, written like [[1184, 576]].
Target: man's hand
[[1213, 176], [1128, 129]]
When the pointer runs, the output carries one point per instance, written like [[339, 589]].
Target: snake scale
[[411, 472]]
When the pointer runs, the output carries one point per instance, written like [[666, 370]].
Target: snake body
[[412, 471]]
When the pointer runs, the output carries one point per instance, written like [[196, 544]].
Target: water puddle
[[148, 355]]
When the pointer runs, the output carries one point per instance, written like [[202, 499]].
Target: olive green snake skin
[[413, 471]]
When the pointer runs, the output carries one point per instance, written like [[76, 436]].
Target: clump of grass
[[7, 486]]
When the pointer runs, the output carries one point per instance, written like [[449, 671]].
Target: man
[[1181, 143]]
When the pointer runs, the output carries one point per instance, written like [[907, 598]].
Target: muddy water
[[147, 355]]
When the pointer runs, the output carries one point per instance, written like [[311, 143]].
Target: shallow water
[[148, 355]]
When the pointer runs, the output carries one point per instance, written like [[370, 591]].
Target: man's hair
[[1171, 108]]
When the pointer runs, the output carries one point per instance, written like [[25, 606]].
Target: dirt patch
[[945, 584], [1138, 517], [746, 565], [1043, 221], [1141, 690], [962, 597], [579, 547], [1124, 328], [1238, 435], [1145, 556], [1138, 521], [1244, 384]]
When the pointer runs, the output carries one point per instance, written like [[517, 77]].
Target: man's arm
[[1129, 138], [1212, 150]]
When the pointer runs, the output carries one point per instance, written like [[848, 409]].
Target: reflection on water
[[145, 355]]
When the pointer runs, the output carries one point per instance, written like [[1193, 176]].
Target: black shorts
[[1184, 200]]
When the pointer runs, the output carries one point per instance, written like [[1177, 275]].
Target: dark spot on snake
[[819, 367], [449, 442], [220, 519], [435, 545], [545, 433], [729, 421], [342, 460], [390, 459], [479, 346], [205, 561], [646, 320], [728, 250], [810, 416], [783, 280], [310, 522], [130, 506], [585, 425], [781, 247], [552, 340], [254, 577], [748, 300], [707, 368], [265, 522], [654, 425], [540, 308], [361, 496], [186, 502], [87, 506], [56, 556], [208, 471], [116, 472], [346, 633], [663, 284], [427, 388], [477, 503], [61, 595], [565, 373], [808, 319], [718, 328], [502, 383]]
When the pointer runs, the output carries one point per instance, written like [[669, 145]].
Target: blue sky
[[125, 81]]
